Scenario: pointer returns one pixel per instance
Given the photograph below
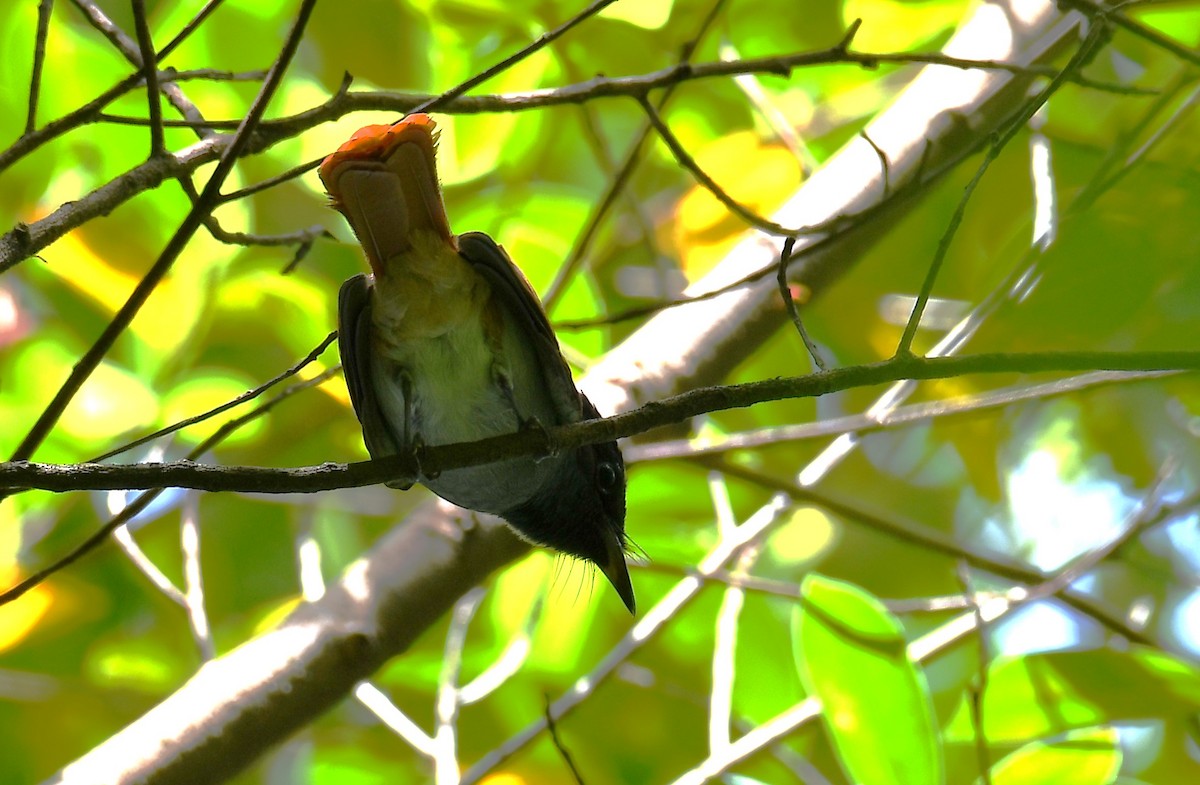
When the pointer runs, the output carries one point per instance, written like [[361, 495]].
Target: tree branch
[[26, 240], [440, 458], [240, 704], [191, 222]]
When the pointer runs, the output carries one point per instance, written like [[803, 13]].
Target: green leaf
[[851, 654], [1044, 694], [1090, 757]]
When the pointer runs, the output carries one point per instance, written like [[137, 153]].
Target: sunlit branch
[[651, 623]]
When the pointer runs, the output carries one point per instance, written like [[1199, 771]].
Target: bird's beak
[[617, 572], [384, 180]]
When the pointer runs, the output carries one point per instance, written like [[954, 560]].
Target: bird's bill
[[617, 572], [384, 180]]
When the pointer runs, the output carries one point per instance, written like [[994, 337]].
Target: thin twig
[[508, 62], [150, 73], [39, 59], [785, 292], [868, 423], [884, 165], [378, 703], [781, 127], [193, 577], [249, 395], [589, 117], [301, 238], [617, 185], [1082, 55], [445, 757], [1124, 166], [812, 249], [192, 26], [191, 222], [124, 540], [271, 182], [724, 658], [978, 690], [552, 726], [1096, 11], [507, 664], [143, 500], [684, 158]]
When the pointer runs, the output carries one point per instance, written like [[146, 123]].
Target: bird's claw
[[418, 450]]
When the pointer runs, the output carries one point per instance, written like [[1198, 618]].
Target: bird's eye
[[606, 476]]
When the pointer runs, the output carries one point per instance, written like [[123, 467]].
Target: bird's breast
[[452, 366]]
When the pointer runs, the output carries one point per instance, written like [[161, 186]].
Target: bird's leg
[[414, 445], [531, 423], [503, 381]]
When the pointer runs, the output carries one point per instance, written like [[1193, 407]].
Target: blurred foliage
[[1065, 702]]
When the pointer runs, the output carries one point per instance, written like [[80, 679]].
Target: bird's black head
[[581, 512]]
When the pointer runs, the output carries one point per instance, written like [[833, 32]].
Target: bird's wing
[[509, 284], [354, 345]]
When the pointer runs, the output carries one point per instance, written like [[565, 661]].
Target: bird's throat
[[427, 292]]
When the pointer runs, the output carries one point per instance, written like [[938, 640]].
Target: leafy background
[[1066, 699]]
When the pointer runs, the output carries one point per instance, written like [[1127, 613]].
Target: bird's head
[[582, 513]]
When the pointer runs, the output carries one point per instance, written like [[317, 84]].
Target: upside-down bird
[[447, 342]]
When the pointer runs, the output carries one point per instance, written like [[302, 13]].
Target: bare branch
[[540, 42], [1101, 12], [871, 422], [249, 395], [175, 246], [785, 293], [620, 179], [27, 240], [39, 59], [15, 475], [150, 72], [1087, 50]]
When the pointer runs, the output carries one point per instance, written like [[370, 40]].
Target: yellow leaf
[[759, 175], [18, 618]]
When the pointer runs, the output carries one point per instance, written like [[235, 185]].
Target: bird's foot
[[417, 452]]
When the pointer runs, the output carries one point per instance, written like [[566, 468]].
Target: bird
[[446, 341]]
